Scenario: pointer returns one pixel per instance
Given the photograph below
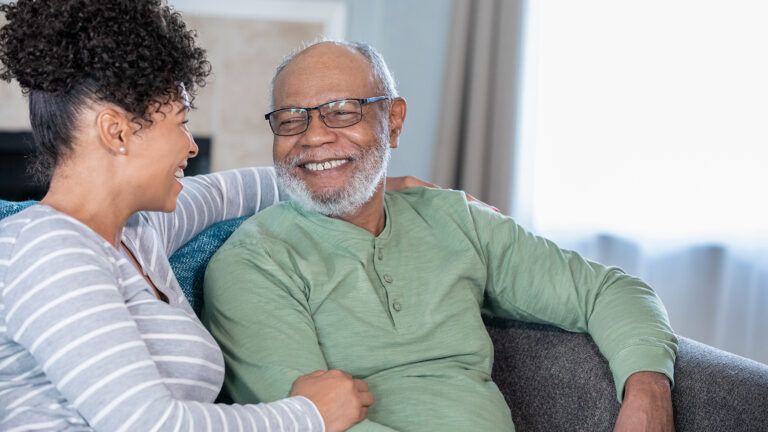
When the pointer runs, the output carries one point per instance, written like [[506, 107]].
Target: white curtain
[[714, 292], [647, 120], [631, 131]]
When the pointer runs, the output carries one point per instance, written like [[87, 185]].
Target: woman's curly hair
[[132, 53]]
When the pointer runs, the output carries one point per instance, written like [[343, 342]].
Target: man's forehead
[[322, 74], [307, 98]]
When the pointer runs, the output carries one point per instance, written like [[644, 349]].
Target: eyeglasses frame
[[362, 102]]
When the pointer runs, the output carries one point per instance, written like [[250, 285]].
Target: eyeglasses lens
[[336, 114]]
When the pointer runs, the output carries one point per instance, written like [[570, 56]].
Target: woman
[[94, 330]]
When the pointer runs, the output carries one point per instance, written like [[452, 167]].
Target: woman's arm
[[207, 199], [74, 320], [211, 198]]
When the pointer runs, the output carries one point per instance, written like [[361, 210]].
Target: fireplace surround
[[17, 147]]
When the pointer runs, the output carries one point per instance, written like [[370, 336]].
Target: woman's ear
[[397, 114], [114, 129]]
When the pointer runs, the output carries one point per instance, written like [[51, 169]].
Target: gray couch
[[558, 381]]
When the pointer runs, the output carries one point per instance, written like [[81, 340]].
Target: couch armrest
[[555, 380]]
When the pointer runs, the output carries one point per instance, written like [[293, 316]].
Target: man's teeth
[[179, 173], [312, 166]]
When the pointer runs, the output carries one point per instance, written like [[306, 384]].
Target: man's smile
[[326, 165]]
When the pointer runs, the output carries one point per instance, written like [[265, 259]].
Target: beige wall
[[13, 105], [243, 53]]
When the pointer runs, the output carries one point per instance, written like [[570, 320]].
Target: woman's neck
[[90, 201]]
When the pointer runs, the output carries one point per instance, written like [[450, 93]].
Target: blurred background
[[632, 131]]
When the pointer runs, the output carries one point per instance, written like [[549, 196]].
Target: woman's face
[[158, 156]]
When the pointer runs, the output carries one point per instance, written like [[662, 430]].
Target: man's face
[[331, 170]]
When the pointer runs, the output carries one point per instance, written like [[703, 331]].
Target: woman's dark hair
[[67, 53]]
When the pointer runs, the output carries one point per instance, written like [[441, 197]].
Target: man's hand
[[342, 400], [647, 405]]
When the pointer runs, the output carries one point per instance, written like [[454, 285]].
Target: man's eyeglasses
[[334, 114]]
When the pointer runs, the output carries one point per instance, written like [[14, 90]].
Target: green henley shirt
[[292, 292]]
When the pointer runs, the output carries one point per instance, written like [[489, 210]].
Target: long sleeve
[[207, 199], [531, 279], [66, 307], [258, 312]]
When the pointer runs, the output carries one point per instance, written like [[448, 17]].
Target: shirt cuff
[[313, 414], [641, 358]]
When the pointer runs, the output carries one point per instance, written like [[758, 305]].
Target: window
[[647, 118]]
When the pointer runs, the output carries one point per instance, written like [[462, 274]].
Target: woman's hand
[[395, 184], [342, 400]]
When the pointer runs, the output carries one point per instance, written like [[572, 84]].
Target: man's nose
[[317, 132]]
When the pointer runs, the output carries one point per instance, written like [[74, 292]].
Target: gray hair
[[385, 82]]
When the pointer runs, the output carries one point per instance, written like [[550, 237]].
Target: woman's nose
[[193, 148]]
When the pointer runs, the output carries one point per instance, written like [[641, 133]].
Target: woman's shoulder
[[39, 219], [40, 229]]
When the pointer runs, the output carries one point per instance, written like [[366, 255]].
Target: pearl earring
[[121, 150]]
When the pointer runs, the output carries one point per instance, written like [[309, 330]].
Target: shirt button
[[381, 255], [397, 306], [387, 278]]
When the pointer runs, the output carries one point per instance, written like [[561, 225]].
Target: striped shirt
[[86, 345]]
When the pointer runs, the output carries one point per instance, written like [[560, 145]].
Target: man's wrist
[[648, 383]]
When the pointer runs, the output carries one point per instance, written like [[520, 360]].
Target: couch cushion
[[190, 260], [8, 208]]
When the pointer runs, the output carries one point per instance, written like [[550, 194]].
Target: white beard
[[371, 169]]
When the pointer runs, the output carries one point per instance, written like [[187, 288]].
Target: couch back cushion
[[8, 208], [190, 260]]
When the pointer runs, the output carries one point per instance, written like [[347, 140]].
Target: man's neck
[[371, 216]]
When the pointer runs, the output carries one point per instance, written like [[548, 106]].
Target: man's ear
[[114, 129], [396, 119]]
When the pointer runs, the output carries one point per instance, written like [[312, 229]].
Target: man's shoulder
[[442, 207], [445, 210], [424, 197], [272, 223]]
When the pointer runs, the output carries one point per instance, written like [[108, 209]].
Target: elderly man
[[391, 286]]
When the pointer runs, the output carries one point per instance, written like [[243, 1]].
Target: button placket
[[387, 281], [378, 264]]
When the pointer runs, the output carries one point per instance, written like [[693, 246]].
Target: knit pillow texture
[[8, 208], [190, 260]]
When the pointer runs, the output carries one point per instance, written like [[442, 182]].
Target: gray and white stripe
[[85, 345]]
